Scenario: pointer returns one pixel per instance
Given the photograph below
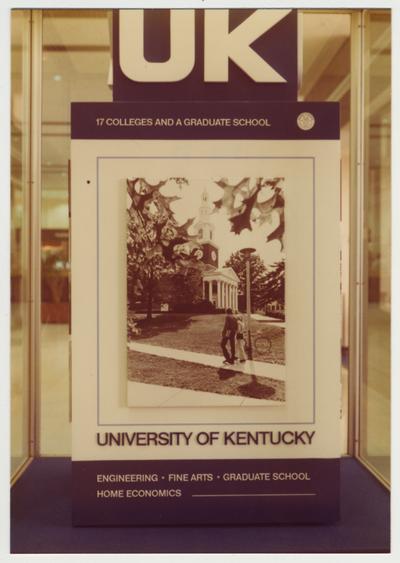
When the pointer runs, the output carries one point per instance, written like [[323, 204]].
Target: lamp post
[[246, 254]]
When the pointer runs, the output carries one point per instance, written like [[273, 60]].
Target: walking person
[[240, 339], [229, 335]]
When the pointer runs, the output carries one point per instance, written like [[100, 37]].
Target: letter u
[[131, 47], [105, 442]]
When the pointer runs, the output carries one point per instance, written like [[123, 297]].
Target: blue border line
[[98, 286], [314, 290], [98, 158]]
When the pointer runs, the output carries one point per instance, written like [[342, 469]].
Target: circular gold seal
[[306, 121]]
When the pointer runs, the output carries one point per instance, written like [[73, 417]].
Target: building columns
[[226, 296]]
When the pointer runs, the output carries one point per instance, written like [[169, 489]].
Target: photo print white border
[[179, 368]]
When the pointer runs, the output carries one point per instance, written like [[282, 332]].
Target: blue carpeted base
[[41, 522]]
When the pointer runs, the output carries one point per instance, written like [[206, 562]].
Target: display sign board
[[166, 198], [241, 54], [205, 279]]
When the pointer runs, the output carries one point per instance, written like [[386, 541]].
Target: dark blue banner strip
[[277, 47], [205, 492], [198, 120]]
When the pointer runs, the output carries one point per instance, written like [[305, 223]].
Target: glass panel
[[76, 57], [375, 384], [20, 135], [76, 54], [326, 77]]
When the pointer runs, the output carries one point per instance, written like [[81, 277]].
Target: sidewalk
[[250, 367], [268, 320], [145, 394]]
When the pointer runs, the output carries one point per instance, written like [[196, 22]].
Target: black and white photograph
[[205, 291]]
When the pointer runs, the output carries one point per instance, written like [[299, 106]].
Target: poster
[[167, 427], [185, 270]]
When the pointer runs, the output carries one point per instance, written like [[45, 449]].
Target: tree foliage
[[258, 274], [159, 248], [248, 203], [156, 244], [266, 284], [275, 283]]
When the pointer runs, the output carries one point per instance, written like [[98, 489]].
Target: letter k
[[220, 45]]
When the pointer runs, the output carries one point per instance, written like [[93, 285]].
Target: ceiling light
[[57, 77]]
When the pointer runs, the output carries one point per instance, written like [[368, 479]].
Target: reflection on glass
[[326, 77], [75, 63], [375, 405], [19, 238]]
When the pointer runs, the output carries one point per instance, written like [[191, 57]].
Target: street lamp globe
[[247, 252]]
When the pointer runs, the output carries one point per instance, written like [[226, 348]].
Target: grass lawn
[[146, 368], [202, 333]]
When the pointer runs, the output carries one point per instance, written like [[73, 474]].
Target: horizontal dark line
[[77, 48], [205, 157], [98, 13], [258, 495], [56, 123]]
